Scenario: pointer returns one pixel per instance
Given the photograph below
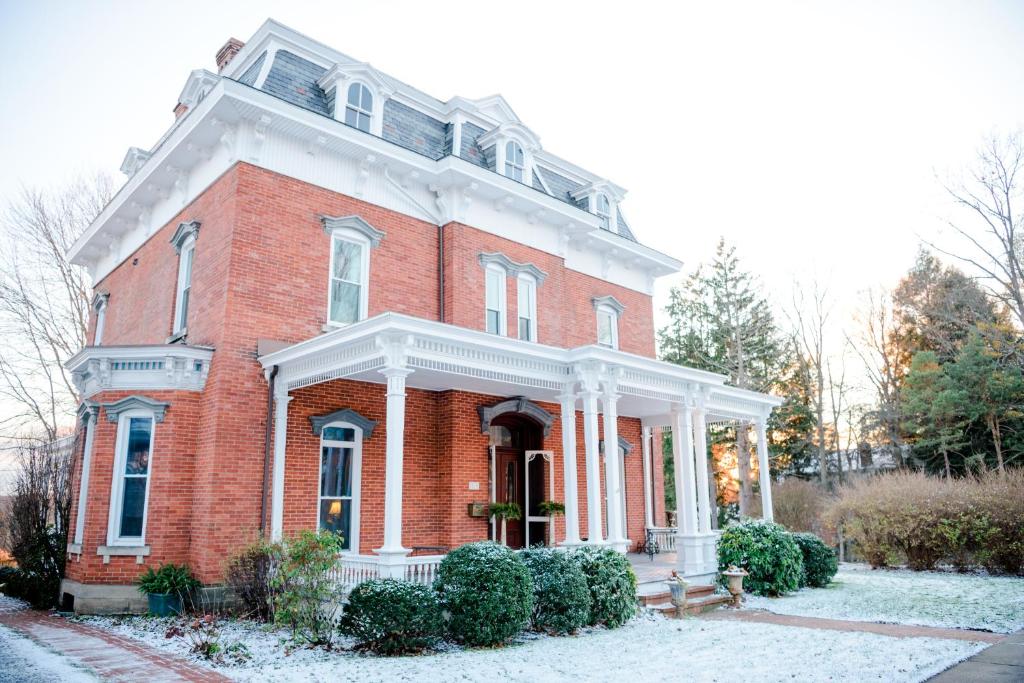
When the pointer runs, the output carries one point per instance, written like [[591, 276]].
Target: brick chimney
[[227, 53], [179, 110]]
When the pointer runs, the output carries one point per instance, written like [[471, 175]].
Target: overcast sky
[[808, 134]]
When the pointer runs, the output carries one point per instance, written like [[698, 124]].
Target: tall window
[[340, 471], [359, 107], [515, 162], [185, 258], [607, 327], [100, 306], [604, 211], [527, 303], [495, 300], [131, 478], [349, 271]]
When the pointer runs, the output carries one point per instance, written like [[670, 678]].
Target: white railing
[[423, 568], [350, 569], [664, 536]]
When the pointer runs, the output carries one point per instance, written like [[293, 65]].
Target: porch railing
[[660, 539], [422, 568], [350, 569]]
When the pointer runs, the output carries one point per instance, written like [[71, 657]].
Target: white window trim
[[354, 237], [605, 216], [608, 310], [188, 247], [357, 476], [117, 481], [101, 318], [502, 298], [500, 158], [530, 304]]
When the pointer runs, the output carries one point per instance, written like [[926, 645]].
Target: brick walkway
[[109, 656], [894, 630]]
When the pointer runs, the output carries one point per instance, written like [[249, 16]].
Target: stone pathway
[[109, 656], [1001, 663], [894, 630]]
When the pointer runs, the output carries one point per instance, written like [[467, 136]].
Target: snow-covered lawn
[[971, 601], [653, 647]]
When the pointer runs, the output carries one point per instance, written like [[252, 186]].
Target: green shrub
[[248, 575], [819, 561], [28, 586], [767, 551], [486, 590], [167, 579], [561, 600], [305, 596], [610, 582], [392, 617]]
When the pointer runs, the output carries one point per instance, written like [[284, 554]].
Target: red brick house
[[327, 299]]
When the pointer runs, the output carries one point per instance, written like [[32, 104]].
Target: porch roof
[[444, 356]]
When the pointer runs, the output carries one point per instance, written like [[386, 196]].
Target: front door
[[510, 489], [512, 435]]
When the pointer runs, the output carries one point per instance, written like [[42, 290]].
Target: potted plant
[[551, 509], [165, 587], [505, 512]]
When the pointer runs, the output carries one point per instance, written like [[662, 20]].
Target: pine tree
[[934, 409]]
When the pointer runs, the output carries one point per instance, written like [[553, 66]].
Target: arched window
[[359, 108], [604, 211], [341, 455], [515, 162]]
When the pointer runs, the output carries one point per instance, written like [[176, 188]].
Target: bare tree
[[839, 410], [44, 304], [809, 316], [989, 195]]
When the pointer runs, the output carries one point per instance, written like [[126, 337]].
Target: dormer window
[[515, 162], [359, 107], [604, 211]]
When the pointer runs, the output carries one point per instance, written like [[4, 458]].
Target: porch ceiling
[[444, 356]]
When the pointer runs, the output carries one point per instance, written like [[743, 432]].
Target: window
[[185, 258], [607, 327], [131, 478], [515, 162], [495, 295], [359, 109], [340, 471], [604, 211], [349, 271], [99, 304], [527, 302]]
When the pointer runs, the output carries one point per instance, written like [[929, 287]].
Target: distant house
[[326, 299]]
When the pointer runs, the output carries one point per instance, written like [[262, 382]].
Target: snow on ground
[[25, 661], [898, 596], [653, 647]]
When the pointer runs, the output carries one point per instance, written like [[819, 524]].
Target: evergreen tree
[[933, 410]]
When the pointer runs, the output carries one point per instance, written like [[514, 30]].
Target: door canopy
[[519, 405]]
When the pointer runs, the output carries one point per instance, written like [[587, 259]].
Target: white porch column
[[645, 453], [613, 487], [591, 443], [700, 441], [572, 506], [392, 554], [682, 458], [281, 400], [763, 471], [89, 411]]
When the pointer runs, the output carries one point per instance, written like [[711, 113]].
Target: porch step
[[652, 596], [694, 606]]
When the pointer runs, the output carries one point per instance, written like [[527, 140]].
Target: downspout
[[271, 377]]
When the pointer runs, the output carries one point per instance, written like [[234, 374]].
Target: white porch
[[401, 351]]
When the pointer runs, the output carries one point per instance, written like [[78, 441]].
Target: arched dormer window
[[603, 209], [359, 107], [515, 161]]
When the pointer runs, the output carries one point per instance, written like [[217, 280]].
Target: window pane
[[367, 101], [336, 516], [189, 257], [339, 434], [363, 123], [336, 471], [351, 117], [501, 436], [524, 328], [493, 321], [132, 506], [344, 302], [137, 458], [353, 94], [604, 329], [348, 261], [494, 289]]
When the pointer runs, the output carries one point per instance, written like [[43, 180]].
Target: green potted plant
[[551, 509], [165, 587], [505, 512]]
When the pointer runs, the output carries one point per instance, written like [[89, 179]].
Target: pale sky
[[809, 134]]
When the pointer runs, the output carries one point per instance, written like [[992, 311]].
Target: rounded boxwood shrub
[[819, 561], [561, 600], [767, 551], [392, 617], [486, 590], [611, 583]]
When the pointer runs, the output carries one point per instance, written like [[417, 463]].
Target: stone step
[[692, 593], [693, 607]]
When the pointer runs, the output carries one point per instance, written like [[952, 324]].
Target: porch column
[[682, 458], [89, 412], [392, 554], [572, 506], [589, 394], [281, 400], [762, 466], [613, 487], [645, 453], [700, 431]]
